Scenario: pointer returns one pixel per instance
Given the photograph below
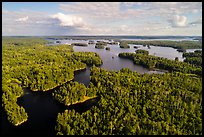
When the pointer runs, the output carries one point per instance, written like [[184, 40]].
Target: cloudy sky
[[101, 18]]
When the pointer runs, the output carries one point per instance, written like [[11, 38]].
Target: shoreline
[[45, 90], [85, 99], [19, 123]]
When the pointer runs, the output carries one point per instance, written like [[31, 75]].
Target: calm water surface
[[42, 109]]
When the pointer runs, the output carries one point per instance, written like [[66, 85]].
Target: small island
[[124, 46], [101, 45], [136, 47], [108, 48], [91, 42], [80, 44]]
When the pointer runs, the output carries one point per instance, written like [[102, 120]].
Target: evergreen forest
[[130, 103]]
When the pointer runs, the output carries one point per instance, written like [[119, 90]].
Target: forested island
[[130, 103], [100, 45], [194, 57], [32, 64], [141, 57], [79, 44], [180, 45]]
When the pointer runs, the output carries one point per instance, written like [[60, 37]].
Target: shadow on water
[[82, 76], [42, 110]]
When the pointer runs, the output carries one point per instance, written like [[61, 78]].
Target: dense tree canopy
[[123, 45], [181, 45], [130, 103], [38, 67], [152, 62], [99, 46], [72, 93], [79, 44], [194, 57], [140, 51], [135, 104]]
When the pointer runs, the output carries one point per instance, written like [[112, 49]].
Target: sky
[[102, 18]]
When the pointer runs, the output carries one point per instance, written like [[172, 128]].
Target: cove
[[42, 110]]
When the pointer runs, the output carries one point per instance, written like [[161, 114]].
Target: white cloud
[[104, 9], [111, 11], [178, 21], [127, 29], [100, 10], [173, 7], [68, 20], [107, 18], [23, 19]]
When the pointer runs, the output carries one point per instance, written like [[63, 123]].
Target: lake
[[42, 109], [166, 52]]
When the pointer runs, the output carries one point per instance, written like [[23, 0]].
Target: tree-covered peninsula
[[153, 62], [180, 45], [29, 62]]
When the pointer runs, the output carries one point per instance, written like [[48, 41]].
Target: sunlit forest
[[130, 103]]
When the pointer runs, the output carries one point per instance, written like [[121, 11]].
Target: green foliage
[[151, 62], [176, 59], [79, 44], [136, 104], [196, 53], [124, 45], [99, 46], [45, 67], [28, 62], [101, 43], [15, 113], [194, 58], [182, 45], [72, 93], [22, 41], [89, 58], [144, 52]]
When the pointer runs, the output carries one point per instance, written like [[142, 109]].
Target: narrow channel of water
[[42, 109]]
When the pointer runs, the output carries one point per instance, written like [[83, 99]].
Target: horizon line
[[102, 35]]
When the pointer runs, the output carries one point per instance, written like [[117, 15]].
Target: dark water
[[42, 112], [42, 109]]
